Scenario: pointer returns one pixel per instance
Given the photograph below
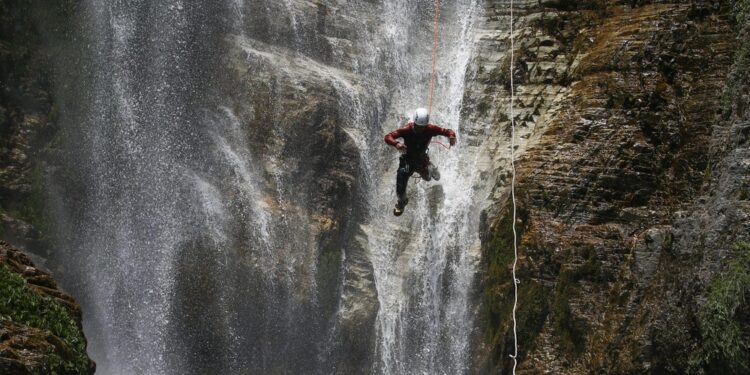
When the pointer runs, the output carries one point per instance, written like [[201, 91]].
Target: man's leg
[[433, 171], [402, 179], [429, 171]]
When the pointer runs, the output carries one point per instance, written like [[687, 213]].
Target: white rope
[[513, 193]]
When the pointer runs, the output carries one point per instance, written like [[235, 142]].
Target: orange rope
[[435, 39], [441, 143]]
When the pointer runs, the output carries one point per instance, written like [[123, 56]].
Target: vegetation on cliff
[[740, 76], [40, 326], [20, 304], [742, 12], [724, 318], [497, 296], [725, 321]]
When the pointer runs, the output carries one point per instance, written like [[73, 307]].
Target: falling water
[[191, 241], [425, 260]]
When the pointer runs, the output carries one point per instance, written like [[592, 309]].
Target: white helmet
[[421, 117]]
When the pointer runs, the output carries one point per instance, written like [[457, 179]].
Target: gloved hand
[[453, 141], [401, 147]]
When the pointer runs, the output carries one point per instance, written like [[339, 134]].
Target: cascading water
[[425, 261], [140, 151], [203, 243]]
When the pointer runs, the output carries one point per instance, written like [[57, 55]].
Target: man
[[416, 136]]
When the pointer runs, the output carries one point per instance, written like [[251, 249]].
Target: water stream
[[425, 260], [190, 241]]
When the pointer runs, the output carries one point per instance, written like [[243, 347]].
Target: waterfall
[[143, 197], [425, 260], [199, 238]]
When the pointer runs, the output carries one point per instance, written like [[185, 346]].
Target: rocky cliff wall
[[308, 166], [28, 116], [40, 325], [630, 178], [314, 92]]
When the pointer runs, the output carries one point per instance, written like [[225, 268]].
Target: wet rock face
[[28, 115], [288, 100], [25, 106], [27, 344], [619, 123]]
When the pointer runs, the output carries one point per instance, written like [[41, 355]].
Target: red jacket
[[416, 144]]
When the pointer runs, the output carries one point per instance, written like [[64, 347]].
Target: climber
[[416, 135]]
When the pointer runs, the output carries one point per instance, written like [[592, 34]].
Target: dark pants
[[406, 168]]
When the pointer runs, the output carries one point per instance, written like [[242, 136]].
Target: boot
[[399, 209]]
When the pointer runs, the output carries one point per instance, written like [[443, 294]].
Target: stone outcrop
[[40, 326], [629, 186]]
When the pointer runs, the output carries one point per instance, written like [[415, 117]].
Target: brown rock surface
[[603, 178]]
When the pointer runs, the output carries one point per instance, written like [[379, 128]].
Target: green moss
[[497, 297], [723, 329], [532, 311], [499, 256], [18, 303], [732, 98], [744, 194], [531, 314], [570, 330], [707, 173], [742, 11], [54, 113], [484, 106], [329, 267]]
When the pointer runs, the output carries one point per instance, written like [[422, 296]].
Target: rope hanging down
[[435, 39], [513, 194]]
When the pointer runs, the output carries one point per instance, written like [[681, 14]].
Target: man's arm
[[450, 134], [390, 138]]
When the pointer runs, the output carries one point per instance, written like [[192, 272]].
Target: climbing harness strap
[[513, 194], [435, 39]]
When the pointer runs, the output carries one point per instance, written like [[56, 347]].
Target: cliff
[[32, 38], [229, 156], [40, 326], [632, 192]]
